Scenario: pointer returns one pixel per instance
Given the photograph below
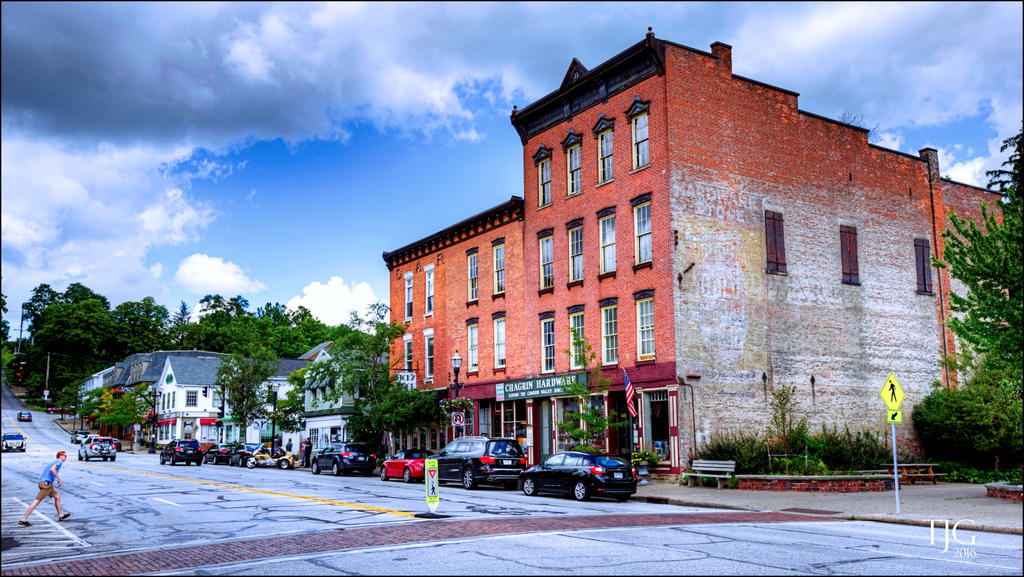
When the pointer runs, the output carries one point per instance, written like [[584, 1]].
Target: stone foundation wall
[[831, 484]]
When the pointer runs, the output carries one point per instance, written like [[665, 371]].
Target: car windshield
[[13, 437], [416, 454], [358, 448], [506, 449]]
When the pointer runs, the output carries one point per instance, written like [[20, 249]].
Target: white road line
[[67, 533], [95, 483], [163, 501]]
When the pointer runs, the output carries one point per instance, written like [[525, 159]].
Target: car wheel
[[199, 463], [79, 456], [174, 461], [468, 479], [335, 469], [529, 487], [314, 468], [580, 491], [282, 464], [163, 461], [383, 473], [114, 458], [407, 475]]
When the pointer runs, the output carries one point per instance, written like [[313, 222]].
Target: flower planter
[[816, 484]]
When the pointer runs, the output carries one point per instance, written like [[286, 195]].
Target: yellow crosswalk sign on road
[[891, 393]]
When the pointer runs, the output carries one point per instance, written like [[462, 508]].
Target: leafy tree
[[989, 261], [5, 327], [141, 326], [179, 320], [242, 383], [360, 367], [587, 423], [291, 409], [121, 412], [79, 293], [42, 297]]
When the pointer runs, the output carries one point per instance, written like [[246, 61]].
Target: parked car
[[79, 436], [177, 451], [220, 454], [117, 443], [13, 442], [407, 464], [24, 416], [581, 475], [55, 410], [96, 446], [242, 455], [473, 460], [343, 458]]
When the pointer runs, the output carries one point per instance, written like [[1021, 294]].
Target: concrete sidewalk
[[919, 504]]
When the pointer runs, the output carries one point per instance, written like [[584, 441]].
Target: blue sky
[[276, 150]]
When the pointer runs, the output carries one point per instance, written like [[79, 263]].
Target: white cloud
[[334, 302], [202, 274]]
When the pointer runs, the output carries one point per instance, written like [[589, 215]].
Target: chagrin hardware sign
[[531, 388]]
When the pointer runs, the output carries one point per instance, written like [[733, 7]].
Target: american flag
[[630, 392]]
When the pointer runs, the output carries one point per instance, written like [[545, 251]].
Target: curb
[[922, 523]]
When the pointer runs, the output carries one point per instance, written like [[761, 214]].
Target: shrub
[[748, 450], [959, 473], [848, 451]]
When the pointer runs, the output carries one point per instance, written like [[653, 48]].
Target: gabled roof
[[313, 353]]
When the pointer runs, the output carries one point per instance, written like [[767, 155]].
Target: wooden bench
[[912, 472], [713, 469]]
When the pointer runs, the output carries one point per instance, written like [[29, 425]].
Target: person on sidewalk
[[307, 452], [288, 447], [46, 489]]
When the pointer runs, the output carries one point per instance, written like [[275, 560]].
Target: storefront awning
[[168, 422], [207, 421]]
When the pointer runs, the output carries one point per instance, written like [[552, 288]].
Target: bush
[[848, 451], [749, 451], [978, 424], [959, 473]]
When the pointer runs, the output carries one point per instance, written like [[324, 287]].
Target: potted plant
[[640, 460]]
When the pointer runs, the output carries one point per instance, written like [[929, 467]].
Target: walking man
[[288, 447], [307, 453], [46, 489]]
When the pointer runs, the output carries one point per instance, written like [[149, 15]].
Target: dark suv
[[182, 451], [341, 458], [472, 460]]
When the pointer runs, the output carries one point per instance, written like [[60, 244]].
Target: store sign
[[532, 388]]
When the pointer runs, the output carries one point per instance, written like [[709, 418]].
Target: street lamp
[[273, 419], [456, 365]]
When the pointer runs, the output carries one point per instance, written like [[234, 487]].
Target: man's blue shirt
[[48, 471]]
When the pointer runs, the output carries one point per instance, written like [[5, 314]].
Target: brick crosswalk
[[341, 539]]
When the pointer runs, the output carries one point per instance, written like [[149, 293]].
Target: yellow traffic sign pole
[[892, 395]]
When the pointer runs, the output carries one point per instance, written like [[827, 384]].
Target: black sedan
[[220, 454], [581, 475], [242, 453]]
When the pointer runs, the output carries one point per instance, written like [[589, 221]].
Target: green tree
[[587, 422], [989, 261], [360, 368], [141, 326], [242, 383], [180, 319], [292, 408], [5, 328]]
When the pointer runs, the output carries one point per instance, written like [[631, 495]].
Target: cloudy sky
[[276, 150]]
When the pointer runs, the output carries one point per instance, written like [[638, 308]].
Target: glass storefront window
[[656, 426], [563, 407], [514, 419]]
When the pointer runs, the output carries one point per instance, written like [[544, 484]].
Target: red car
[[406, 464]]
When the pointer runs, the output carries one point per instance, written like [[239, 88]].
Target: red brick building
[[709, 238]]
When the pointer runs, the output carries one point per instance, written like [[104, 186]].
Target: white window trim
[[540, 248], [407, 352], [540, 182], [470, 297], [569, 171], [601, 176], [574, 362], [503, 343], [572, 269], [639, 328], [605, 335], [636, 156], [543, 358], [636, 232], [409, 295], [494, 256], [428, 290], [602, 244], [428, 359], [473, 346]]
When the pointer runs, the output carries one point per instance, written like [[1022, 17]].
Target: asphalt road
[[137, 516]]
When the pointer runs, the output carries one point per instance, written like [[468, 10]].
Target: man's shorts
[[46, 489]]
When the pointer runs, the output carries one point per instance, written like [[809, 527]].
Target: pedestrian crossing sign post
[[892, 395], [894, 416], [430, 469]]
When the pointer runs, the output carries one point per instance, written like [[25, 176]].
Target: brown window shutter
[[776, 246], [848, 244], [922, 252]]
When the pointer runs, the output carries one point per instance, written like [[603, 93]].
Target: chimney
[[931, 156], [723, 52]]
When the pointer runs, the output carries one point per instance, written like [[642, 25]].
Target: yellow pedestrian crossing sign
[[430, 474], [891, 393], [894, 416]]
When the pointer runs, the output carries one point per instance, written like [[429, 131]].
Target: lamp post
[[273, 420], [456, 365]]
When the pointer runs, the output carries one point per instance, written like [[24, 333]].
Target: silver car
[[96, 446]]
